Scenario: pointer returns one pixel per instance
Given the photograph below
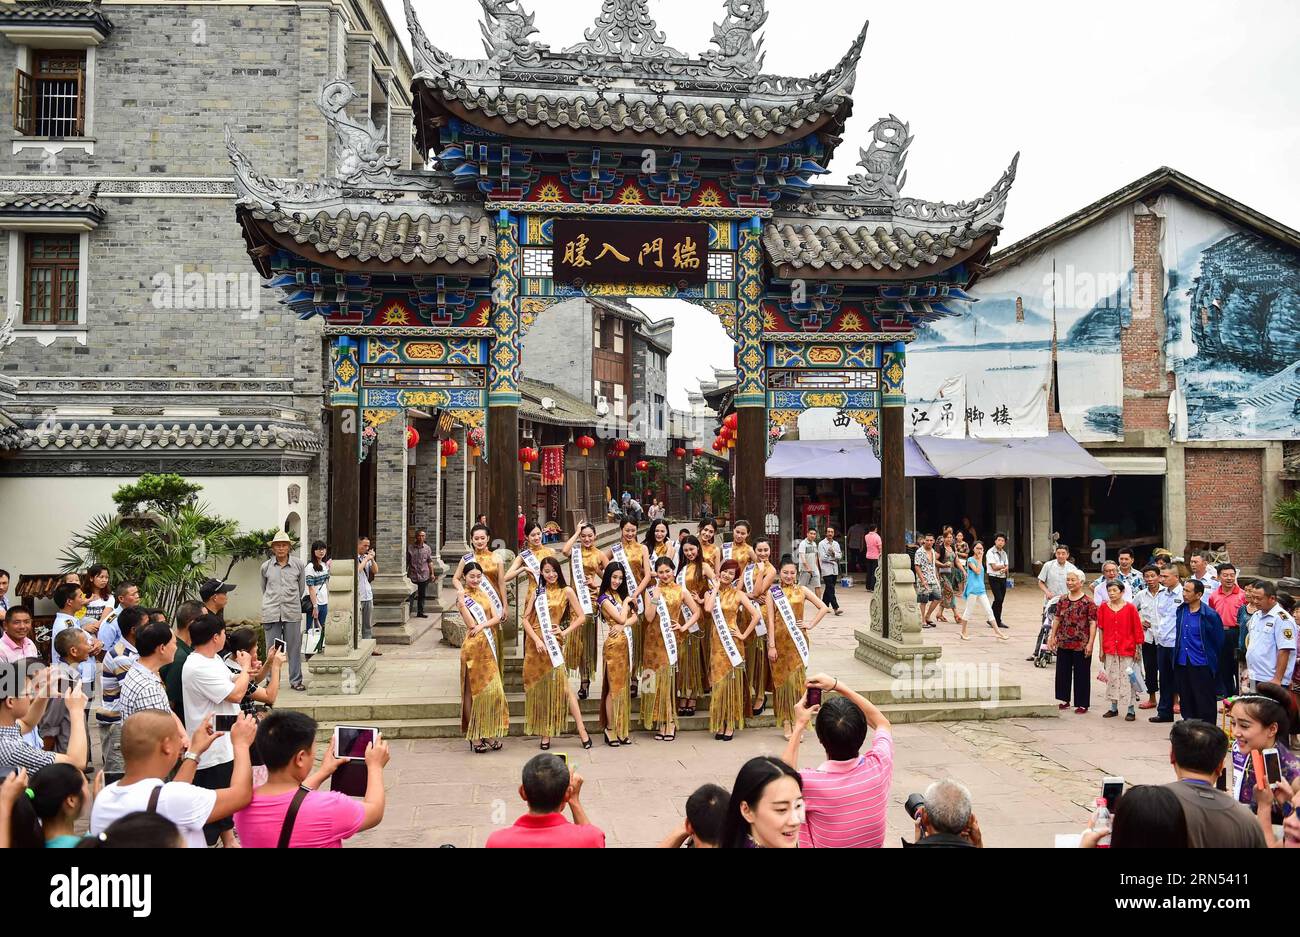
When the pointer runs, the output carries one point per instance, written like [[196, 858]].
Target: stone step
[[448, 727]]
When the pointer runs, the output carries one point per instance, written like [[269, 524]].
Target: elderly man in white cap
[[284, 583]]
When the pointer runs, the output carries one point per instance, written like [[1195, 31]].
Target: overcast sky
[[1092, 95]]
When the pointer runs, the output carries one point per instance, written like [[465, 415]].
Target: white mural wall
[[1232, 332], [1076, 289]]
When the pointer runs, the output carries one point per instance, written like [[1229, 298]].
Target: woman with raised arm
[[788, 642], [666, 605], [586, 564], [635, 560], [530, 560], [548, 698], [757, 580], [493, 581], [614, 606], [695, 576], [657, 542], [484, 714], [727, 658]]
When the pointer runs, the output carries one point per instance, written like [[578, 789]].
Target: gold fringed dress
[[758, 675], [580, 645], [637, 559], [541, 553], [546, 703], [789, 677], [692, 646], [727, 707], [491, 566], [660, 707], [616, 688], [483, 712]]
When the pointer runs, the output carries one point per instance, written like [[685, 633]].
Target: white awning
[[1056, 455], [1134, 464]]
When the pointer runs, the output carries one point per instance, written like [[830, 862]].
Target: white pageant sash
[[547, 629], [727, 549], [533, 564], [681, 577], [620, 557], [480, 619], [631, 648], [724, 633], [580, 580], [749, 579], [792, 626], [486, 584], [666, 628]]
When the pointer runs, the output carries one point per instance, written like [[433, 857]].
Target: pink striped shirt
[[846, 801]]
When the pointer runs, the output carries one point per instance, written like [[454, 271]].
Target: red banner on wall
[[553, 465]]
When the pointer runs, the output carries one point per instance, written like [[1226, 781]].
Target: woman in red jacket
[[1121, 648]]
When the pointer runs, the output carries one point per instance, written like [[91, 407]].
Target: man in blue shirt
[[1168, 602], [1196, 654]]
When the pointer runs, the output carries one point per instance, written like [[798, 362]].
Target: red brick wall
[[1225, 495], [1141, 341]]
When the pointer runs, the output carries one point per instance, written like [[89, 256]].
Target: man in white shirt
[[1204, 573], [1165, 626], [1109, 574], [998, 564], [1271, 639], [209, 685], [68, 598], [1051, 578], [828, 558], [366, 570], [152, 743], [1145, 602]]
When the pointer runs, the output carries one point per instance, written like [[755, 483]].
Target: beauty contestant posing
[[788, 642], [530, 560], [635, 560], [695, 576], [667, 604], [586, 563], [757, 579], [548, 698], [493, 578], [484, 714], [616, 609], [727, 658]]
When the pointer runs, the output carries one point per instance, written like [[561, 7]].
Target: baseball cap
[[214, 587]]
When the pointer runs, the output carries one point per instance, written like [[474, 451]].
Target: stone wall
[[557, 349]]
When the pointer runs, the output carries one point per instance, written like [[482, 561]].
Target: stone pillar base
[[452, 553], [895, 620], [393, 624], [341, 671]]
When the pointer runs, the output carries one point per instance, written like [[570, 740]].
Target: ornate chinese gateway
[[617, 166]]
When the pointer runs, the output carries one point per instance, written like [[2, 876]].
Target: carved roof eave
[[973, 258], [837, 206], [470, 88], [92, 436]]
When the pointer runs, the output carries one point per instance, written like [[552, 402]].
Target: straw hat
[[280, 537]]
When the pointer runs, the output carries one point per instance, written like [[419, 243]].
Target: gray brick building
[[143, 339]]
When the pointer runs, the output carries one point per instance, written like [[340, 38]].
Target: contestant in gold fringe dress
[[708, 543], [727, 706], [480, 538], [548, 698], [692, 661], [580, 650], [484, 714], [533, 542], [757, 672], [616, 610], [637, 557], [659, 708], [789, 677]]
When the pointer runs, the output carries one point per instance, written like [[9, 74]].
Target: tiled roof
[[568, 410], [93, 435], [72, 12], [365, 234], [877, 247], [51, 204]]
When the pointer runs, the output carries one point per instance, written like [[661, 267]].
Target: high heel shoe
[[587, 744], [612, 743], [480, 748], [582, 690], [545, 746]]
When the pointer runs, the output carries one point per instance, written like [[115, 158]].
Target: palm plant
[[1287, 514], [166, 552]]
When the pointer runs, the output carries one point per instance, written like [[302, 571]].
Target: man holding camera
[[944, 817]]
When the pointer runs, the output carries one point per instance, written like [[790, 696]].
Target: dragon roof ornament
[[506, 28], [740, 49], [360, 151], [883, 160]]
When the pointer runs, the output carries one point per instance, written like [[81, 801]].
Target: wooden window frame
[[27, 91], [57, 282]]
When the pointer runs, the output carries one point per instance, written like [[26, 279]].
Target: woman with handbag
[[316, 600]]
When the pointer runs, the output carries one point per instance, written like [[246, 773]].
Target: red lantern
[[412, 437], [718, 445], [528, 456], [622, 446], [586, 443], [679, 452], [697, 452], [686, 488], [725, 433], [732, 422], [449, 448], [642, 465]]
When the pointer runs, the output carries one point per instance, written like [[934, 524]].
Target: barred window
[[50, 101], [50, 280], [722, 266]]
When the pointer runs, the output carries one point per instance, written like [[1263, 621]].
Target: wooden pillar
[[503, 388], [751, 468], [893, 513]]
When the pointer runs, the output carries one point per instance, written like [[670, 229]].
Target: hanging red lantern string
[[732, 422]]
